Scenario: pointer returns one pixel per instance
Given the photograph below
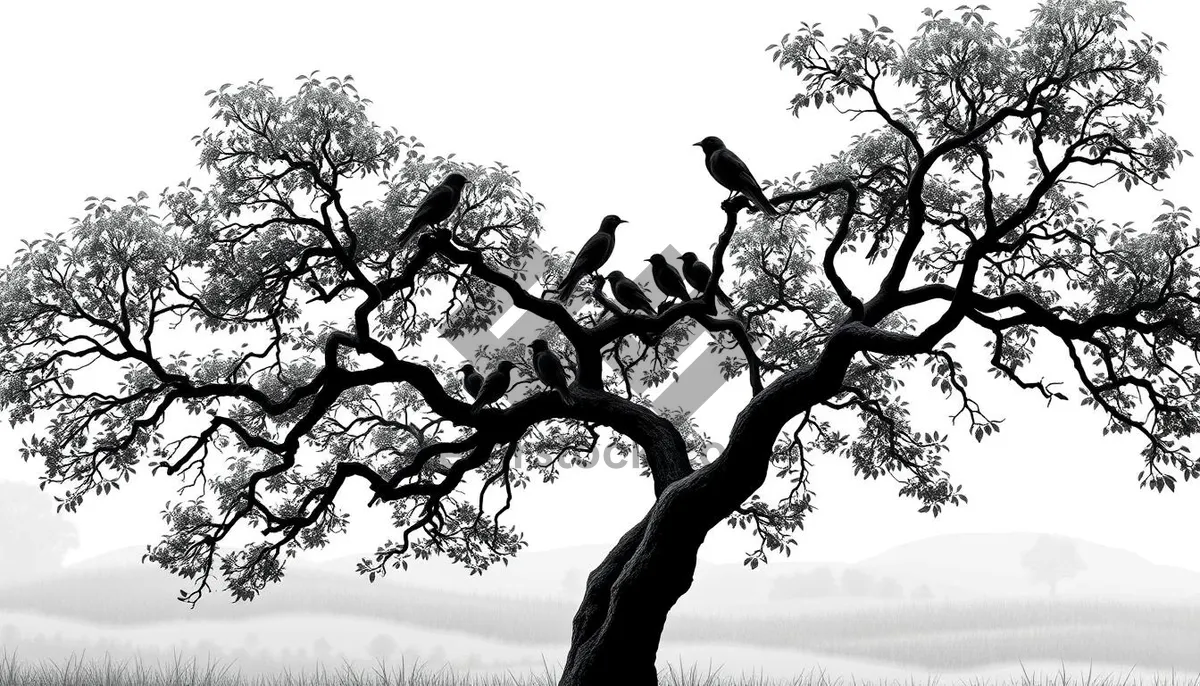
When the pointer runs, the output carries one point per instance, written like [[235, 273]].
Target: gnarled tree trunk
[[616, 631]]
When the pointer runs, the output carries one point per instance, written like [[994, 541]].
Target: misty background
[[105, 101], [969, 604]]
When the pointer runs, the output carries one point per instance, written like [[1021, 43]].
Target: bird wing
[[493, 388], [594, 253], [549, 369], [473, 383], [673, 284], [436, 207], [731, 172], [734, 175], [699, 275], [632, 296]]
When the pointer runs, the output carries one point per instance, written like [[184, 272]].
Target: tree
[[1051, 560], [36, 541], [285, 409], [857, 583], [818, 583], [889, 588], [382, 647]]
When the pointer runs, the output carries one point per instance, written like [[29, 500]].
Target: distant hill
[[961, 567], [979, 566], [985, 607]]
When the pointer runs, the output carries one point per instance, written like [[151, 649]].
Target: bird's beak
[[645, 260], [696, 144], [622, 221]]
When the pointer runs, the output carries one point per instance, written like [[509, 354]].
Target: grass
[[83, 671]]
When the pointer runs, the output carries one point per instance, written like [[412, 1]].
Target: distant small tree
[[819, 583], [922, 592], [573, 581], [382, 647], [1053, 559], [10, 636], [857, 583], [33, 540], [888, 587]]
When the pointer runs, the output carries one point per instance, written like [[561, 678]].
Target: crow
[[591, 257], [494, 386], [549, 370], [667, 278], [698, 275], [629, 294], [436, 207], [472, 380], [731, 172]]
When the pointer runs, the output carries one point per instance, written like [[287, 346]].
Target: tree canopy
[[260, 335]]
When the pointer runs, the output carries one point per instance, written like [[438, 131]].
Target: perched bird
[[667, 278], [731, 172], [549, 369], [472, 379], [698, 275], [436, 207], [494, 386], [591, 257], [629, 294]]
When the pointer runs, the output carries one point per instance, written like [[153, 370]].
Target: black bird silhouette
[[629, 294], [591, 257], [494, 386], [667, 278], [698, 275], [436, 207], [731, 172], [549, 369], [472, 379]]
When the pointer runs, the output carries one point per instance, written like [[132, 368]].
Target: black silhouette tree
[[262, 338], [1052, 560]]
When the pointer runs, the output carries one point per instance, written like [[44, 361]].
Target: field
[[315, 630], [478, 632], [82, 671]]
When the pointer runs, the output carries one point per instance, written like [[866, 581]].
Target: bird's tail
[[565, 289], [760, 199], [724, 299], [408, 233]]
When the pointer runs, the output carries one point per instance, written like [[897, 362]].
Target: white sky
[[598, 108]]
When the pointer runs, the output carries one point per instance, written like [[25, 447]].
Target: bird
[[437, 206], [698, 275], [731, 172], [494, 386], [591, 257], [472, 379], [549, 369], [667, 278], [629, 294]]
